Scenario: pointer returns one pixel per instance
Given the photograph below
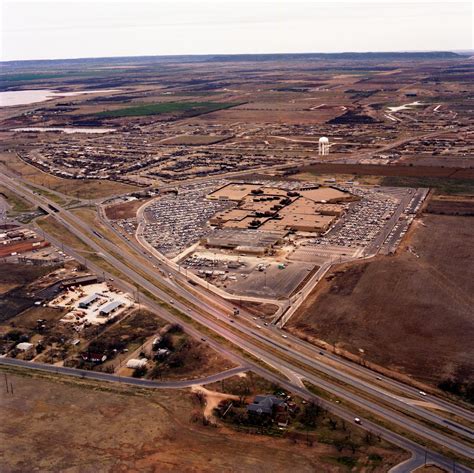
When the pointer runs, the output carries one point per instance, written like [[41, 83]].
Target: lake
[[25, 97], [68, 130]]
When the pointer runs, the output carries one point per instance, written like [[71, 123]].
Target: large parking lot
[[175, 222], [253, 262], [368, 222], [260, 276]]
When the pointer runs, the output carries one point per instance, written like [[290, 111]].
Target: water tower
[[323, 146]]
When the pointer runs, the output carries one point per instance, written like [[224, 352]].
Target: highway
[[276, 352]]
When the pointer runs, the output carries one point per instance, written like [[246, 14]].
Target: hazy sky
[[37, 29]]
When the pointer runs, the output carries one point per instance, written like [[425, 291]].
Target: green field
[[192, 108], [442, 185]]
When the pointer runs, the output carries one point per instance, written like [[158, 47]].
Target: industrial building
[[108, 309], [86, 302], [245, 241]]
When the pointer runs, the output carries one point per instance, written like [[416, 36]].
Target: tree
[[139, 372], [310, 414], [157, 371]]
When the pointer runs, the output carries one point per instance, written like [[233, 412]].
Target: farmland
[[409, 314], [189, 108]]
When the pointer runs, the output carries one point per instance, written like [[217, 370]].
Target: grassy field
[[17, 204], [54, 424], [442, 185], [411, 315], [195, 140], [50, 226], [386, 176], [83, 188], [192, 108]]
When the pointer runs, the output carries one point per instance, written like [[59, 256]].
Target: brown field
[[28, 319], [124, 210], [411, 315], [447, 206], [80, 426], [393, 170], [84, 189], [16, 275], [259, 309]]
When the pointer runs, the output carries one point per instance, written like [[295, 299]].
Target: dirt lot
[[124, 210], [451, 206], [259, 309], [89, 427], [411, 314]]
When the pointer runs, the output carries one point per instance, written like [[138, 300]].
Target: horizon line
[[460, 52]]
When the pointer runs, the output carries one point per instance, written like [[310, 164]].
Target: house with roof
[[269, 408]]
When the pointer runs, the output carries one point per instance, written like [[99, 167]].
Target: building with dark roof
[[266, 406]]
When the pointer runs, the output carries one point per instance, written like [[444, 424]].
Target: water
[[67, 130], [25, 97]]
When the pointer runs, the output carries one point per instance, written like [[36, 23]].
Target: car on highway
[[357, 420], [171, 301], [284, 336], [422, 393], [258, 326]]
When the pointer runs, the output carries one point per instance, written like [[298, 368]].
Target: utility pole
[[6, 382]]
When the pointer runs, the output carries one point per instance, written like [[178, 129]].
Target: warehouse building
[[86, 302], [108, 309]]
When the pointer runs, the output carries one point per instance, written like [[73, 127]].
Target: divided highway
[[294, 357]]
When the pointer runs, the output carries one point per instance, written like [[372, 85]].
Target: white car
[[357, 420]]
